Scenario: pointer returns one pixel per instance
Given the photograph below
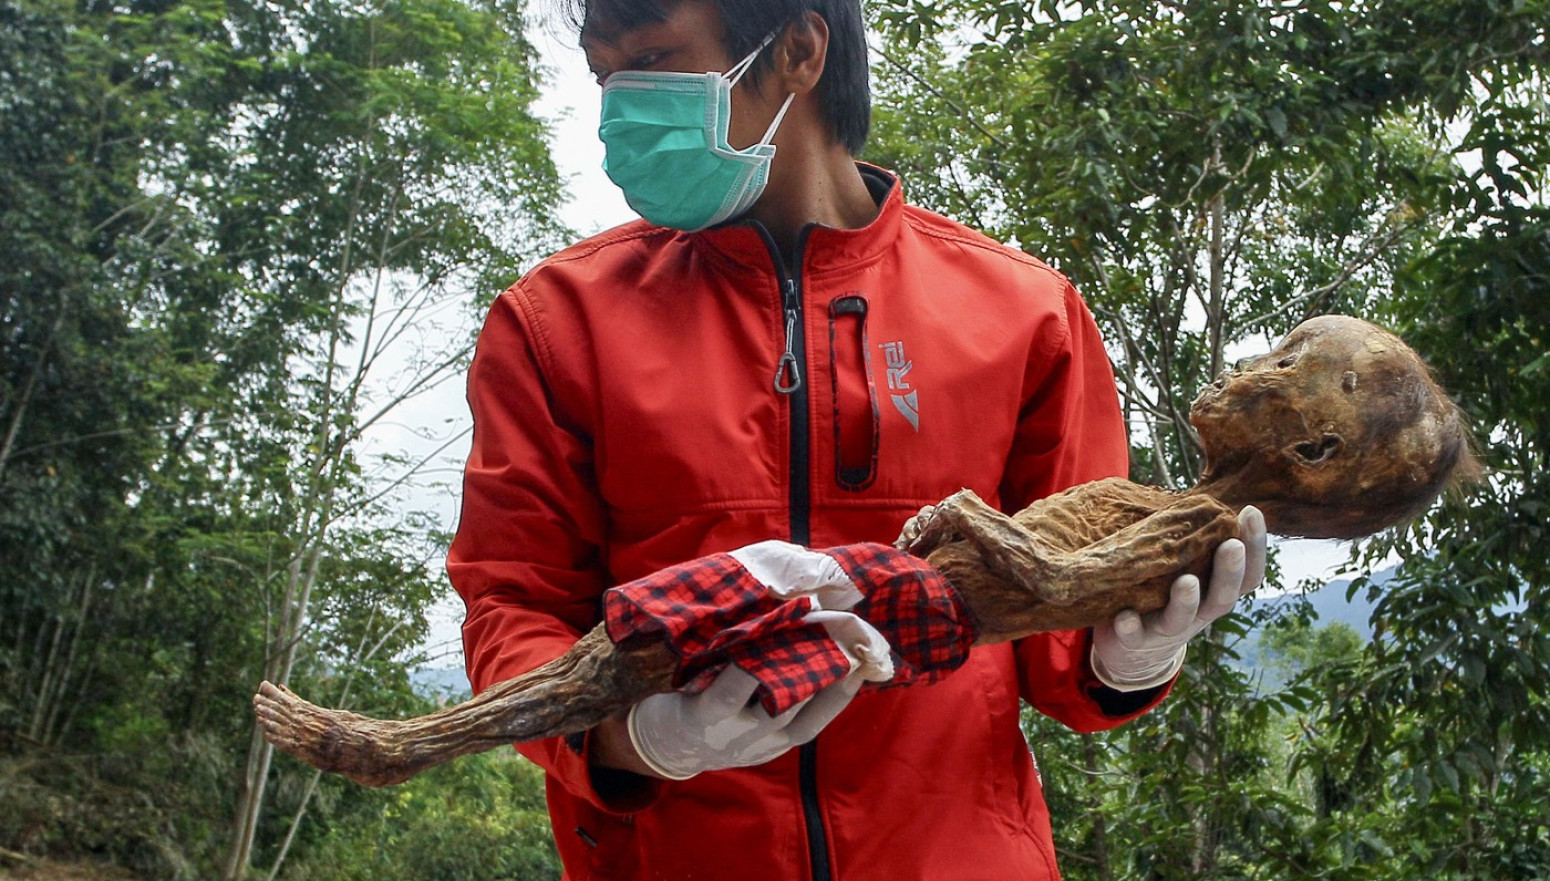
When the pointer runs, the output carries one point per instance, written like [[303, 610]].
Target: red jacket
[[626, 419]]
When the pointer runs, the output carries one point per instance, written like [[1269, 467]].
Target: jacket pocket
[[611, 845], [855, 394]]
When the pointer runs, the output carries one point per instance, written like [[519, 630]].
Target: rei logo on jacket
[[905, 398]]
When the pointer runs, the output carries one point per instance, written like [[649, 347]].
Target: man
[[789, 351]]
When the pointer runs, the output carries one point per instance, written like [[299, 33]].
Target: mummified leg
[[1066, 521], [572, 693]]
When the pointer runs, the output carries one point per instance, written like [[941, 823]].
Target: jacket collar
[[827, 249]]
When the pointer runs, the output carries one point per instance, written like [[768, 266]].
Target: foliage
[[481, 818], [128, 806], [1466, 647], [234, 239]]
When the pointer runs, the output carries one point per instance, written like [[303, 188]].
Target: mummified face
[[1338, 432]]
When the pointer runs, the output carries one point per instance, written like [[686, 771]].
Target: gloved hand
[[679, 735], [1133, 652]]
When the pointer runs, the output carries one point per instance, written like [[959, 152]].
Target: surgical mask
[[665, 145]]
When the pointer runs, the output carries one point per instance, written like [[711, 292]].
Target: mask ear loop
[[770, 132], [742, 67]]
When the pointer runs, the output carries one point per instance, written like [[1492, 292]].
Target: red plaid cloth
[[713, 613]]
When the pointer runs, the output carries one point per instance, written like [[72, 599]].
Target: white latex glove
[[679, 735], [1133, 652]]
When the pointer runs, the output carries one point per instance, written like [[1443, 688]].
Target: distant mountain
[[1329, 605], [449, 684]]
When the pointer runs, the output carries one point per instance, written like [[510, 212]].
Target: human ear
[[800, 53]]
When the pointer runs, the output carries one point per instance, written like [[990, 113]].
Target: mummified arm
[[1072, 560], [574, 692]]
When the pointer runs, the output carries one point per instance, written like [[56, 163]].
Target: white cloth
[[791, 571]]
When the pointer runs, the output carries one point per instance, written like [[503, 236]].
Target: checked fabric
[[714, 611]]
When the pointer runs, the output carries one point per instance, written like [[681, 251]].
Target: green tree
[[1209, 174], [481, 818], [1452, 698], [235, 239]]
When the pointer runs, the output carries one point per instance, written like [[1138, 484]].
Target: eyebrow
[[597, 33], [594, 39], [617, 19]]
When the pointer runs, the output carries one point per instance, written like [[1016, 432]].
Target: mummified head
[[1338, 432]]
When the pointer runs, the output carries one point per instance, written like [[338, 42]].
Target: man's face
[[690, 40]]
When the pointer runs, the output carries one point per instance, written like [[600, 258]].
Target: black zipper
[[790, 380], [817, 838]]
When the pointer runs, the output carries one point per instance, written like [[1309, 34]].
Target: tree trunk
[[19, 413], [1090, 765], [55, 674]]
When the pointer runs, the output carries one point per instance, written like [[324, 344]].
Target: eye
[[644, 60], [1323, 449], [1286, 362]]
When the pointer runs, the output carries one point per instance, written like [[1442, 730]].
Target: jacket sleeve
[[1070, 432], [527, 555]]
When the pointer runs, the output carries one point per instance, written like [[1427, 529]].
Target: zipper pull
[[788, 374]]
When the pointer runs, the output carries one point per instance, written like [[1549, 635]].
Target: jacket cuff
[[1125, 704], [1115, 703]]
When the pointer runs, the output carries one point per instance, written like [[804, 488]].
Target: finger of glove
[[1227, 575], [1251, 530], [727, 695], [753, 736], [1126, 629], [1178, 617], [821, 710]]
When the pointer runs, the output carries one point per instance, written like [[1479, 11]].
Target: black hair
[[844, 91]]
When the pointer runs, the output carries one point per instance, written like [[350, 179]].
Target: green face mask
[[665, 145]]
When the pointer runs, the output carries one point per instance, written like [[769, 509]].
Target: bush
[[480, 818]]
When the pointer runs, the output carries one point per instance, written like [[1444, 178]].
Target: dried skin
[[1338, 432], [574, 692], [1071, 560]]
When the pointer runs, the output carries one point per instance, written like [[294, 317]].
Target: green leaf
[[1277, 120]]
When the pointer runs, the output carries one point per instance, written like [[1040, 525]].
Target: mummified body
[[1337, 433]]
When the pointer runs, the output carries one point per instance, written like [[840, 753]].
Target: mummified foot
[[368, 751], [574, 692], [925, 532]]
